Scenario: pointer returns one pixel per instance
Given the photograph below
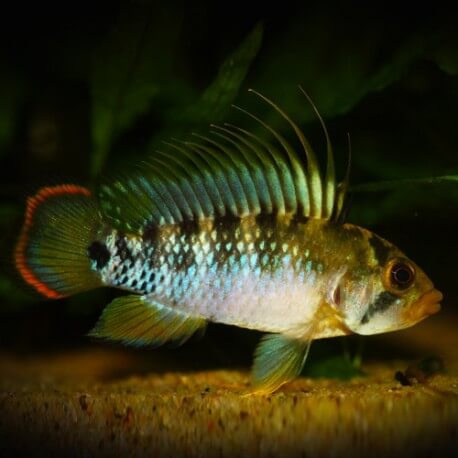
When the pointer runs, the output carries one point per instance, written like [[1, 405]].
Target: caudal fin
[[52, 252]]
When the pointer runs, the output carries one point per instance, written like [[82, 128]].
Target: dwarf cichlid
[[231, 228]]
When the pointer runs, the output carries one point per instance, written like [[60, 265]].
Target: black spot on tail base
[[382, 302], [98, 252]]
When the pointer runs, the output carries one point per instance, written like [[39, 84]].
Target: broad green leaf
[[337, 67], [130, 66], [215, 101], [446, 55], [396, 202], [403, 184]]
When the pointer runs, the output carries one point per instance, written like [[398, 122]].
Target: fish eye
[[401, 274]]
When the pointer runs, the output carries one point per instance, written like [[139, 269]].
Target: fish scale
[[232, 273]]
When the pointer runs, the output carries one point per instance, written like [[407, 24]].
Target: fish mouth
[[427, 304]]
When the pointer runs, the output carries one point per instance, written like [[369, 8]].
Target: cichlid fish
[[232, 229]]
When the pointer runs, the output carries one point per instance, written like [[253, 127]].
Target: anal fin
[[278, 359], [141, 321]]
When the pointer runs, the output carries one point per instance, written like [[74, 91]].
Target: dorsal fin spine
[[165, 195], [230, 171], [258, 169], [195, 182], [288, 187], [300, 178], [131, 199], [205, 171], [186, 179], [255, 168], [137, 186], [184, 183], [243, 167], [175, 192], [235, 181], [220, 179], [330, 178], [342, 188], [269, 163], [314, 181]]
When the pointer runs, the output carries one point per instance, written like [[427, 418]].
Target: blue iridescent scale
[[241, 272]]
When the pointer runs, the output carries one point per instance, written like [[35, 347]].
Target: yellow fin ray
[[278, 359], [232, 173], [139, 321]]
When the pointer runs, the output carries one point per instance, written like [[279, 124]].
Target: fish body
[[239, 233], [247, 273]]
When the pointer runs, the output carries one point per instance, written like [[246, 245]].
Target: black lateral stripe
[[190, 227], [381, 249], [383, 302], [150, 233]]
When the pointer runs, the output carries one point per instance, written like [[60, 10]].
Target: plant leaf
[[130, 66], [435, 197], [402, 184], [445, 55], [337, 67], [215, 101]]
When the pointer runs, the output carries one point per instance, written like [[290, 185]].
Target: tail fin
[[52, 252]]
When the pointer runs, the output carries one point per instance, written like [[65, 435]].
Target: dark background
[[88, 89]]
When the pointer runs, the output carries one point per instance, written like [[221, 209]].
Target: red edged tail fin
[[52, 252]]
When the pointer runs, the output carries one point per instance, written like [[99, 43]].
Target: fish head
[[384, 290]]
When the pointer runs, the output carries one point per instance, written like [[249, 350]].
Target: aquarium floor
[[102, 402]]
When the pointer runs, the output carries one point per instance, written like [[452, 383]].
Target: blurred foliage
[[336, 367], [12, 97], [214, 102], [131, 67], [428, 195], [102, 87]]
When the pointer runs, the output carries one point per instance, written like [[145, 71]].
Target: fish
[[230, 227]]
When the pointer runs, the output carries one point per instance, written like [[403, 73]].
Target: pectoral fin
[[278, 359], [140, 321]]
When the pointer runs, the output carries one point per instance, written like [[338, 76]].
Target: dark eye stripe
[[382, 302], [381, 249]]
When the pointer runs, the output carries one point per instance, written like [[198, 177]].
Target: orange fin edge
[[33, 203]]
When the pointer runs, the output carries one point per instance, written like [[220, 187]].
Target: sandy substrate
[[101, 402]]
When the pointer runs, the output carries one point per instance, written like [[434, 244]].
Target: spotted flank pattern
[[252, 273]]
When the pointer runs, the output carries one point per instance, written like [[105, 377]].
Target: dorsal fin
[[231, 172]]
